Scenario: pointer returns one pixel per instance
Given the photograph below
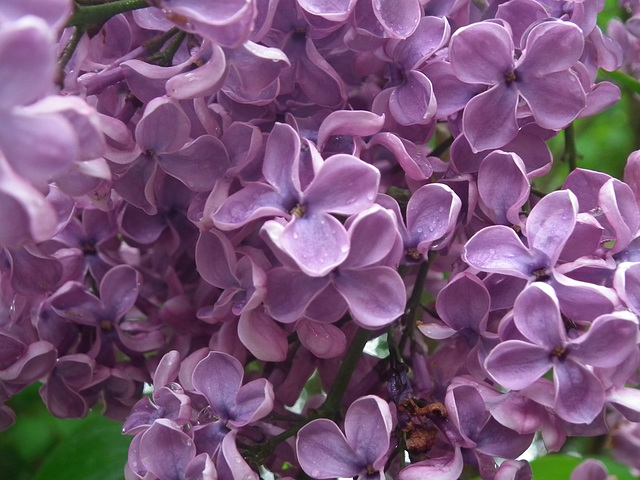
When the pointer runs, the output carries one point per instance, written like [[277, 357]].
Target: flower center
[[510, 77], [299, 211]]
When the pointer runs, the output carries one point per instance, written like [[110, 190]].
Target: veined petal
[[375, 295], [515, 364], [166, 451], [289, 292], [497, 249], [489, 119], [164, 126], [448, 467], [504, 202], [551, 222], [464, 302], [555, 99], [218, 377], [482, 53], [399, 18], [608, 342], [413, 102], [318, 243], [253, 402], [255, 200], [372, 236], [367, 426], [344, 185], [323, 451], [335, 11], [536, 313], [551, 47], [579, 393]]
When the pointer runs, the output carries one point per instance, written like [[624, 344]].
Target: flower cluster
[[229, 200]]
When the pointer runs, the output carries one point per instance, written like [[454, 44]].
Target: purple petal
[[219, 377], [323, 340], [620, 207], [464, 303], [165, 451], [608, 342], [515, 364], [255, 200], [375, 295], [503, 203], [281, 159], [344, 185], [336, 11], [263, 337], [432, 212], [432, 33], [367, 426], [318, 243], [27, 60], [551, 109], [119, 290], [590, 470], [164, 126], [289, 293], [537, 316], [199, 164], [254, 401], [323, 451], [372, 236], [579, 393], [497, 249], [25, 215], [216, 259], [441, 468], [481, 53], [551, 222], [230, 463], [489, 119], [551, 47], [399, 18], [349, 122], [203, 81], [413, 102]]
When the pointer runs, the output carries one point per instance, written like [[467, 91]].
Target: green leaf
[[560, 467], [94, 450]]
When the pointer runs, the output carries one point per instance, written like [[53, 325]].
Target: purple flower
[[541, 76], [362, 451], [316, 240], [579, 394]]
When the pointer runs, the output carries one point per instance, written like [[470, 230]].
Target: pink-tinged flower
[[541, 76], [219, 378], [373, 291], [362, 451], [315, 239], [579, 394]]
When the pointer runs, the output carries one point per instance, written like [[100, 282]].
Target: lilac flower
[[373, 291], [498, 249], [541, 76], [579, 394], [316, 240], [219, 378], [362, 451]]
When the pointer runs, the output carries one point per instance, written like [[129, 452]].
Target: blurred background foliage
[[41, 447]]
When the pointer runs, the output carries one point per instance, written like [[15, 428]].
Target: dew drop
[[295, 235], [492, 251], [344, 248]]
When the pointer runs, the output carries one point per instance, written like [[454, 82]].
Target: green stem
[[623, 79], [441, 147], [332, 405], [570, 154], [89, 15], [165, 58], [70, 47], [409, 317]]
